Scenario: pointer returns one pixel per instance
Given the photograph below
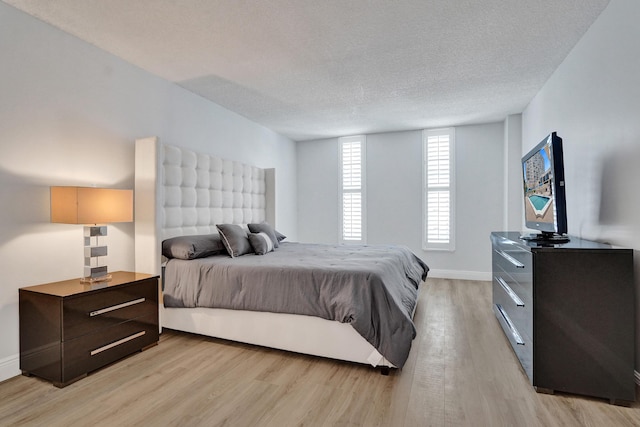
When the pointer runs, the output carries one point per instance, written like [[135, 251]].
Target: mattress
[[373, 288]]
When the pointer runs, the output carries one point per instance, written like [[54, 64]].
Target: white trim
[[450, 246], [270, 194], [460, 275], [362, 139], [148, 241], [10, 367]]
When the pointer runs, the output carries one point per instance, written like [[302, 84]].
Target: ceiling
[[312, 69]]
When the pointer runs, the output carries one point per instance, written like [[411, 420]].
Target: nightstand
[[68, 329]]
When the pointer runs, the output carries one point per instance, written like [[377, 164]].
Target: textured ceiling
[[319, 68]]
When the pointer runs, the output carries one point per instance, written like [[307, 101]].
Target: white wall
[[69, 115], [513, 197], [593, 101], [394, 190], [394, 195], [318, 166]]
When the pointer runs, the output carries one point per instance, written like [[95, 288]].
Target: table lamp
[[93, 207]]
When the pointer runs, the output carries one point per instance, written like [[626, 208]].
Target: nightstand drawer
[[91, 312], [90, 352], [69, 328]]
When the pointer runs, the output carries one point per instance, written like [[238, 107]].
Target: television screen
[[544, 194]]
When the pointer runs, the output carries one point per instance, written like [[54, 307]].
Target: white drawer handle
[[514, 332], [509, 258], [117, 343], [116, 307], [510, 292]]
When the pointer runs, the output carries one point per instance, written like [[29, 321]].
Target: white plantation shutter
[[352, 189], [351, 165], [352, 216], [438, 189], [438, 216]]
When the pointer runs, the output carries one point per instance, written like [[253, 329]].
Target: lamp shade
[[88, 205]]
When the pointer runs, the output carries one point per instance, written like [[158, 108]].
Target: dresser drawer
[[90, 352], [522, 345], [91, 312], [512, 258], [517, 305], [516, 263], [522, 288]]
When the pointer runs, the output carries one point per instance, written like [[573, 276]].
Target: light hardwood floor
[[461, 372]]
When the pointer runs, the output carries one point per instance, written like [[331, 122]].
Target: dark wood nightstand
[[68, 329]]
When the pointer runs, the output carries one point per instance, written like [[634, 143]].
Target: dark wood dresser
[[68, 329], [568, 313]]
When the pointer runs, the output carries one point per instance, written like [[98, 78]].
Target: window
[[438, 189], [352, 195]]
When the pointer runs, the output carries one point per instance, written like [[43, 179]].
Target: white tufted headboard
[[179, 192]]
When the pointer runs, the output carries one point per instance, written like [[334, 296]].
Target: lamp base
[[104, 278]]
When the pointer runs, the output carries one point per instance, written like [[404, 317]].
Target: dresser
[[69, 328], [568, 312]]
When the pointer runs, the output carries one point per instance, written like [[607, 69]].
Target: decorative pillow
[[261, 243], [192, 247], [235, 239], [280, 236], [264, 227]]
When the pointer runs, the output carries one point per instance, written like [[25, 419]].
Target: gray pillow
[[264, 227], [235, 239], [261, 243], [192, 247], [280, 236]]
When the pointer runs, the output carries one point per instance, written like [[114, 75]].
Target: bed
[[182, 193]]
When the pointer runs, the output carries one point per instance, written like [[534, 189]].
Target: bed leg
[[384, 370]]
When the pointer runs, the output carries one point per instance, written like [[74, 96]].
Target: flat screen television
[[545, 204]]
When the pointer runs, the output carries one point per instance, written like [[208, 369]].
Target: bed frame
[[180, 192]]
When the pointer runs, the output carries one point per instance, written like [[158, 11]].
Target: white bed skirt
[[297, 333]]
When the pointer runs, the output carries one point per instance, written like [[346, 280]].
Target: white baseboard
[[460, 275], [9, 367]]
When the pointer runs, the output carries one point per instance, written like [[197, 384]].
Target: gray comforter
[[374, 288]]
